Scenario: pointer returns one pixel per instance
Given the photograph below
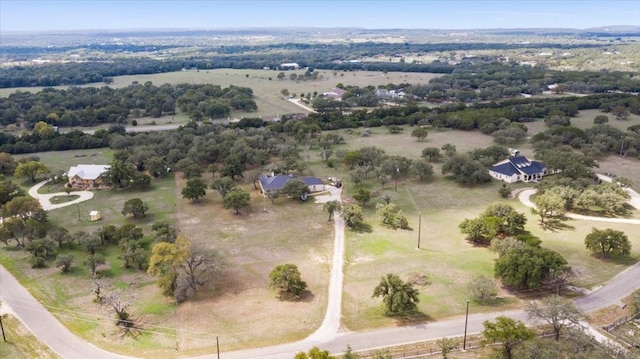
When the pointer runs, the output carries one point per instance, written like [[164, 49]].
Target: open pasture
[[265, 84]]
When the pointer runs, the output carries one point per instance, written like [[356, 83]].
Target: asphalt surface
[[43, 324]]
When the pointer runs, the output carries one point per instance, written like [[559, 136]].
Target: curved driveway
[[45, 199]]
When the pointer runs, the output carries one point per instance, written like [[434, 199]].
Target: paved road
[[43, 324], [45, 199], [147, 128]]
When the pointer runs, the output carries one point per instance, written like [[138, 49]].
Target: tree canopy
[[608, 241], [527, 267], [398, 297], [135, 207], [286, 278], [510, 333]]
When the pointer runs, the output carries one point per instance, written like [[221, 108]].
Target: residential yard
[[445, 258], [243, 310], [69, 296]]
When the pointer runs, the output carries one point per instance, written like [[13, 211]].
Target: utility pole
[[2, 327], [621, 144], [218, 346], [397, 173], [419, 228], [466, 319]]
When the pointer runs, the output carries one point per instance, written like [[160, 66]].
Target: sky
[[52, 15]]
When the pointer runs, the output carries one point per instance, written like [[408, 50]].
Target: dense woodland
[[91, 106]]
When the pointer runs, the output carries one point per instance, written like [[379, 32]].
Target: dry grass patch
[[243, 311], [403, 144]]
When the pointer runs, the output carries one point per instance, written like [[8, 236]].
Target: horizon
[[193, 15]]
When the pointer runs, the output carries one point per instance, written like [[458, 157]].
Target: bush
[[504, 191], [37, 262]]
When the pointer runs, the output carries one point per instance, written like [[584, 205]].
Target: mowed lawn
[[243, 310]]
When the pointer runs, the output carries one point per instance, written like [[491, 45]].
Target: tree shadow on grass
[[557, 224], [615, 259], [362, 228], [306, 296], [413, 318]]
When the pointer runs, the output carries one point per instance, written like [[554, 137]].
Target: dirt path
[[297, 103], [331, 323], [45, 199]]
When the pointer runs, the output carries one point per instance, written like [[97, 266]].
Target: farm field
[[265, 84]]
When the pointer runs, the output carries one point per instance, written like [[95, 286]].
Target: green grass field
[[62, 160]]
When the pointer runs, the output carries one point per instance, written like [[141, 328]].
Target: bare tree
[[118, 302], [200, 269], [98, 289]]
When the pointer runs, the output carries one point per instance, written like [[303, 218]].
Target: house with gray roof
[[276, 182], [518, 169]]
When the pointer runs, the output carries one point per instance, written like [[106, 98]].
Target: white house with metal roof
[[518, 169]]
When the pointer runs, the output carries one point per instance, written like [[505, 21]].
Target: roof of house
[[87, 172], [518, 165], [311, 181], [276, 182]]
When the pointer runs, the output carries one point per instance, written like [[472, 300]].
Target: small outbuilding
[[94, 216]]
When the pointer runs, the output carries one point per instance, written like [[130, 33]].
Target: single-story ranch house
[[86, 176], [518, 168], [276, 182]]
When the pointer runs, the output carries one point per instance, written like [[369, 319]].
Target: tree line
[[90, 106]]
